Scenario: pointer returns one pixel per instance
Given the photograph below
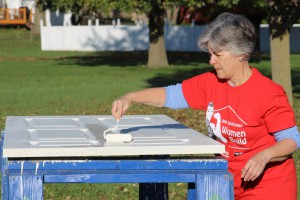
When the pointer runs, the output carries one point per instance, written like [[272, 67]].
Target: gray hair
[[230, 32]]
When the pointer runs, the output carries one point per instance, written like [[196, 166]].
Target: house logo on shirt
[[219, 127]]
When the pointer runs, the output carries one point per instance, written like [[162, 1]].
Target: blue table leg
[[153, 191], [191, 191], [4, 180], [214, 186], [25, 187], [4, 171]]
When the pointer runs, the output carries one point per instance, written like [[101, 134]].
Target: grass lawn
[[83, 83]]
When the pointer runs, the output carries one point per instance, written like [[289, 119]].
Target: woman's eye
[[217, 54]]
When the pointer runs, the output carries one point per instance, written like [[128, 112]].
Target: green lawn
[[83, 83]]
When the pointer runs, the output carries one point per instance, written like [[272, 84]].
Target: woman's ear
[[244, 57]]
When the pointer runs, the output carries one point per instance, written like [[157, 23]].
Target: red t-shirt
[[243, 118]]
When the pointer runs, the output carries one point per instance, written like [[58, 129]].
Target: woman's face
[[225, 64]]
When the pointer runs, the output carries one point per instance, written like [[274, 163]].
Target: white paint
[[78, 178], [36, 167], [73, 136], [118, 138], [22, 167], [61, 137], [110, 136]]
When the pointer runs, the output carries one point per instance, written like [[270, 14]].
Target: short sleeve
[[195, 90], [280, 114]]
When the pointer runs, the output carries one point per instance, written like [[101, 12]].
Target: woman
[[245, 111]]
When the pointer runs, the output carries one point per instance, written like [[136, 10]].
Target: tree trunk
[[172, 15], [281, 65], [38, 15], [157, 55]]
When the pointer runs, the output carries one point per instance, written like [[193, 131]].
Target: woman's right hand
[[152, 97], [120, 106]]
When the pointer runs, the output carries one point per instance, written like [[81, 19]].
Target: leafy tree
[[155, 10], [282, 16], [254, 10]]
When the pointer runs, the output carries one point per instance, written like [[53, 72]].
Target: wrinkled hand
[[255, 166], [120, 106]]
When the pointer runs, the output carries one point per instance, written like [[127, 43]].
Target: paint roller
[[116, 137]]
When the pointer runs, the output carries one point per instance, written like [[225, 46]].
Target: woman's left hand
[[255, 166], [279, 152]]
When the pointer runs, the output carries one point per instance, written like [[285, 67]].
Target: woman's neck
[[244, 74]]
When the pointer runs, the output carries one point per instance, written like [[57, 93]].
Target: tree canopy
[[282, 16], [154, 9]]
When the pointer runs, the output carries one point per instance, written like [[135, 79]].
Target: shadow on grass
[[296, 81], [176, 77], [130, 59], [140, 58], [113, 59]]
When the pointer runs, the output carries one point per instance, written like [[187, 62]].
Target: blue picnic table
[[207, 177]]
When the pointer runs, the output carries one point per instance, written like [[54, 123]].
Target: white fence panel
[[107, 38], [136, 38], [94, 38], [178, 38], [53, 38]]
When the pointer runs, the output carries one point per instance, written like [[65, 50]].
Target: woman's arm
[[278, 152], [153, 97], [288, 141], [170, 97]]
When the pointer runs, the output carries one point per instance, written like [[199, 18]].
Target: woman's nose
[[212, 61]]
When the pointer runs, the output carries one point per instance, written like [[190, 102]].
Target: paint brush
[[118, 122]]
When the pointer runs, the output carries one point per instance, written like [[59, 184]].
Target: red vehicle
[[192, 14]]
